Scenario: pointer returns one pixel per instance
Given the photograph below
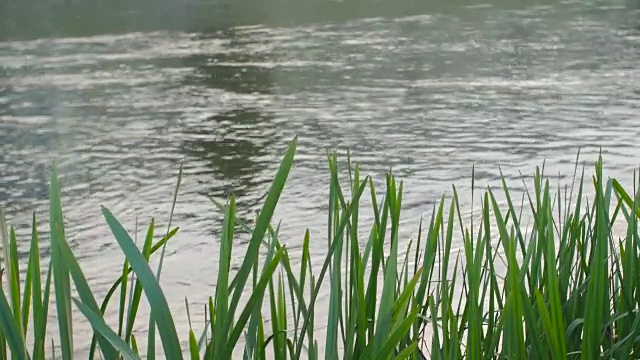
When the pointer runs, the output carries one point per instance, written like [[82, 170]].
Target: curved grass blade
[[407, 352], [100, 326], [134, 345], [117, 284], [11, 330], [396, 335], [157, 301], [65, 264], [624, 196], [83, 289]]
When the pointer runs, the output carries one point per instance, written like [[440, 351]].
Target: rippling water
[[429, 95]]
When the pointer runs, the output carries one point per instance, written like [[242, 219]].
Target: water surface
[[430, 95]]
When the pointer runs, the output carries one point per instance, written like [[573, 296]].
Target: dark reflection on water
[[232, 144], [228, 149], [234, 73]]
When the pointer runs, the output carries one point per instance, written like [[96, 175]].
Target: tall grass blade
[[220, 333], [62, 286], [82, 287], [254, 300], [262, 224], [596, 297], [14, 276], [159, 306]]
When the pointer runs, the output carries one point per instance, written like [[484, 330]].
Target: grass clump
[[565, 287]]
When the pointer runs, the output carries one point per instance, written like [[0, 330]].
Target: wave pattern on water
[[429, 96]]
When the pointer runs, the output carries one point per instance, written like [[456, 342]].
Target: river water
[[430, 95]]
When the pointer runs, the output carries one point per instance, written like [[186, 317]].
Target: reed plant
[[545, 279]]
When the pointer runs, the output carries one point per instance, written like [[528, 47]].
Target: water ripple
[[428, 96]]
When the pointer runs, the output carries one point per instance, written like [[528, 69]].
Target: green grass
[[547, 279]]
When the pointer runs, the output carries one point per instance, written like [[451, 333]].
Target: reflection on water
[[501, 84], [231, 147], [233, 142]]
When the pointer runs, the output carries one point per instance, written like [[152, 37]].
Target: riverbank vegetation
[[564, 287]]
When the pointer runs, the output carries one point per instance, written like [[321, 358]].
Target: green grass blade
[[11, 329], [282, 317], [597, 295], [36, 286], [553, 338], [383, 325], [40, 326], [123, 295], [83, 289], [473, 278], [100, 326], [275, 323], [137, 292], [193, 346], [116, 285], [402, 301], [220, 332], [62, 285], [14, 276], [173, 207], [316, 285], [531, 321], [408, 352], [134, 345], [514, 335], [4, 237], [396, 335], [255, 300], [335, 297], [261, 228], [33, 275], [155, 296]]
